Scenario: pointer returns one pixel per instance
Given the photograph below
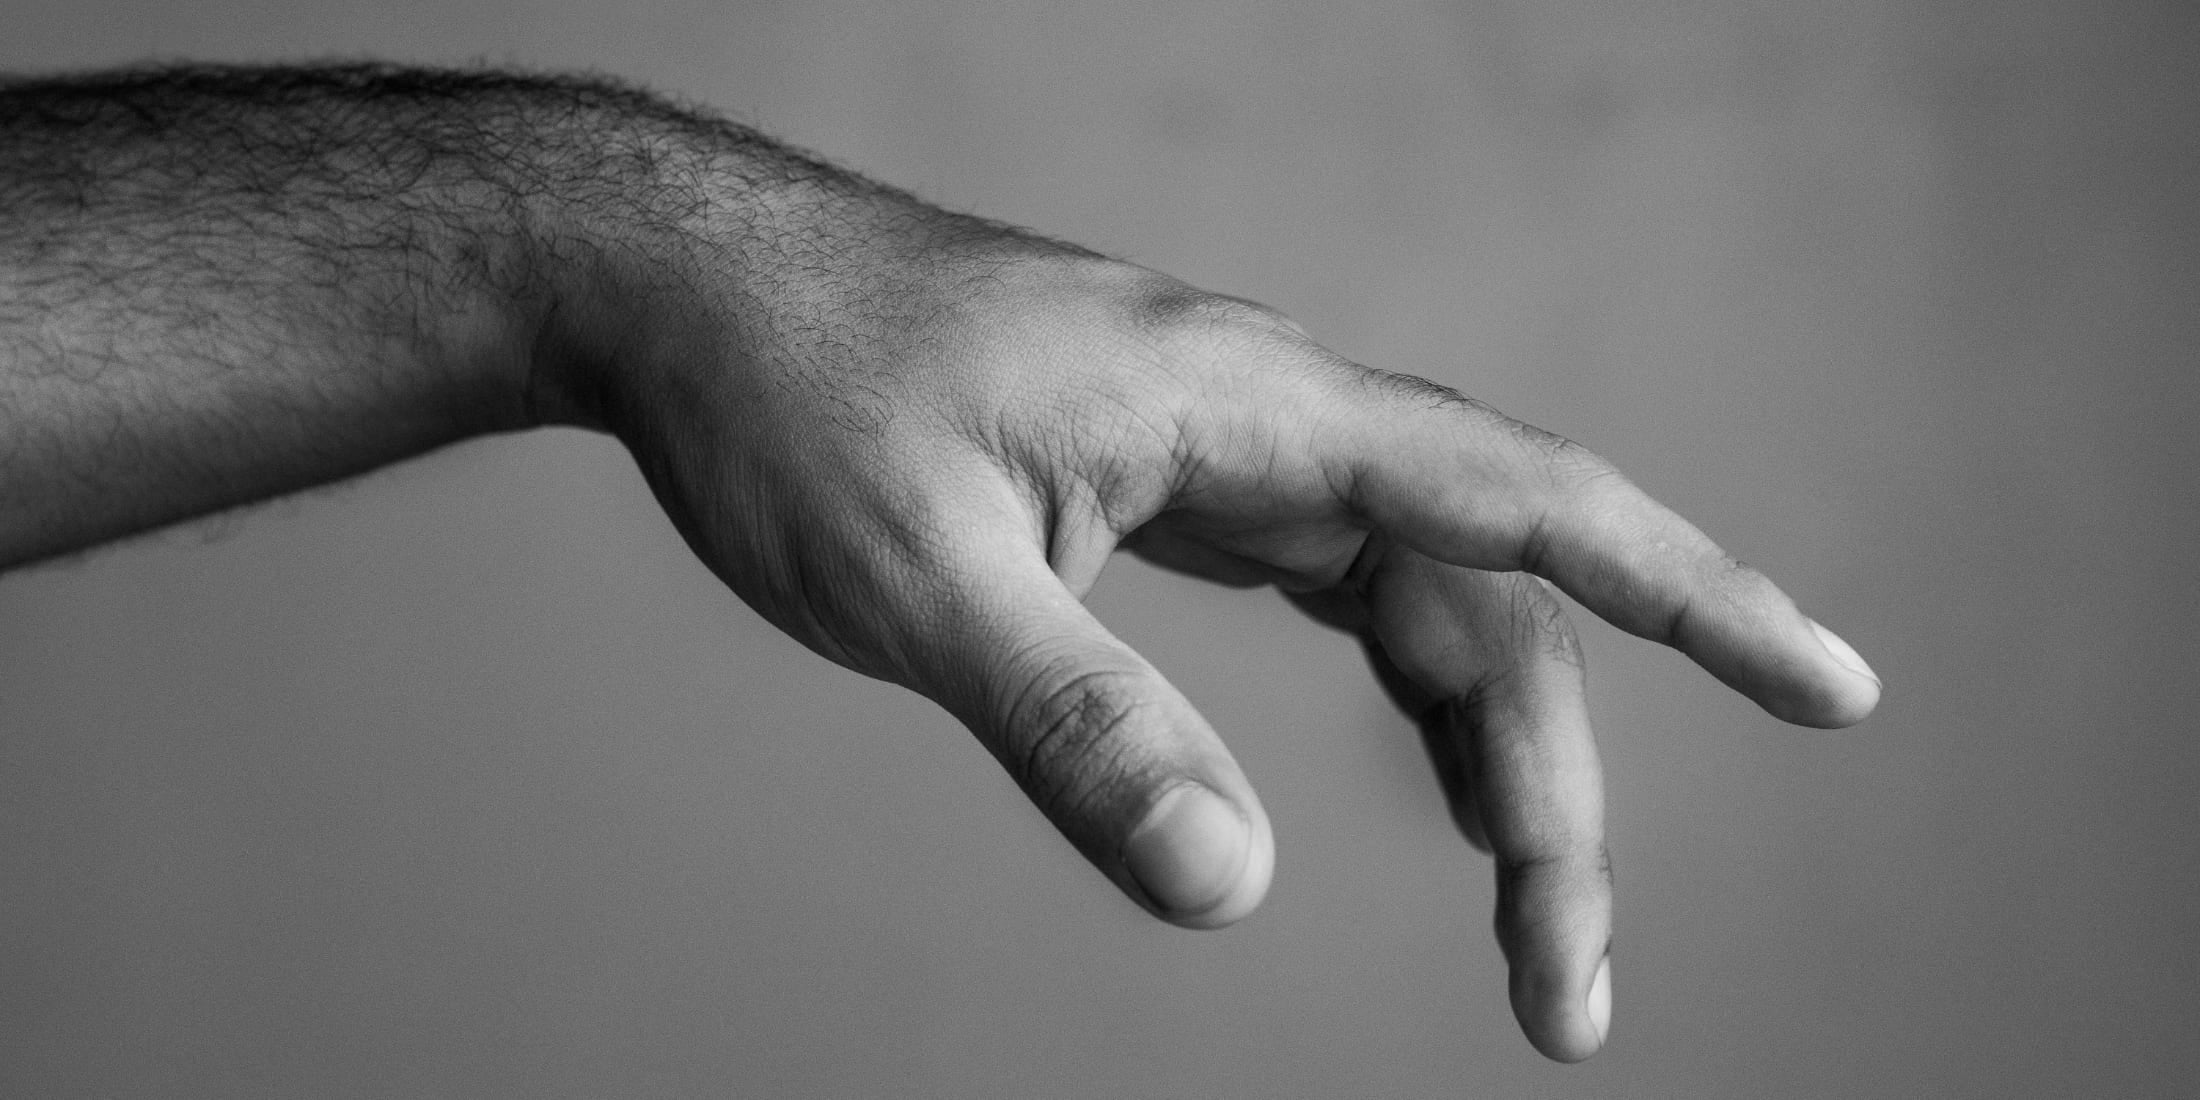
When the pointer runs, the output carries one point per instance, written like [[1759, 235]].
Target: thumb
[[1112, 753]]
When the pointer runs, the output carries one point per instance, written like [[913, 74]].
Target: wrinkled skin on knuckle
[[1414, 391], [1517, 924], [1070, 740], [1539, 623], [1570, 467]]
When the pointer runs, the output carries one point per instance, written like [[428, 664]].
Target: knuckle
[[1192, 322], [1743, 581], [1067, 742], [1571, 466], [1422, 393], [1586, 862], [1540, 624]]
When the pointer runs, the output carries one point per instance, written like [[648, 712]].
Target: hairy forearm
[[908, 437], [220, 284]]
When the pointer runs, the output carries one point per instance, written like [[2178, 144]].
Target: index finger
[[1463, 483]]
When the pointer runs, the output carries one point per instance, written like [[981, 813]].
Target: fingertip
[[1569, 1027], [1199, 860], [1863, 684], [1559, 947], [1845, 692], [1251, 887]]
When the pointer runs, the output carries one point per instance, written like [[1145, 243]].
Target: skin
[[907, 437]]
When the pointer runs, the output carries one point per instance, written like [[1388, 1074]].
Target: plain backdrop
[[466, 780]]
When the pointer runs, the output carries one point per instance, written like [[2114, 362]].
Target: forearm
[[908, 437], [217, 285]]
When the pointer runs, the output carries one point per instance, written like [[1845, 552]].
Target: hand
[[909, 438], [919, 444]]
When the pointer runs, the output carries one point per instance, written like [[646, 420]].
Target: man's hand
[[919, 460], [909, 438]]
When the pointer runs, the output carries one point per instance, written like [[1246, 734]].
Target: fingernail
[[1599, 1003], [1189, 852], [1844, 653]]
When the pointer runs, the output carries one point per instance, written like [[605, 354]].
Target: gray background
[[466, 780]]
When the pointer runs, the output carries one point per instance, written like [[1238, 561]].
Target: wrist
[[644, 241], [696, 259]]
